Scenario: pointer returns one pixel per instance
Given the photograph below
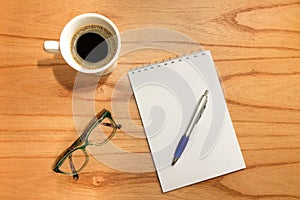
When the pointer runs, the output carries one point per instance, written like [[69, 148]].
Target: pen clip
[[203, 106], [201, 112], [197, 120]]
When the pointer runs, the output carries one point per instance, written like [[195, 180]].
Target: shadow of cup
[[63, 73], [66, 75]]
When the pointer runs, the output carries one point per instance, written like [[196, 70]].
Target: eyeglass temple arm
[[75, 175], [119, 126]]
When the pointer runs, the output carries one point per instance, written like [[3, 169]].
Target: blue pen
[[201, 105]]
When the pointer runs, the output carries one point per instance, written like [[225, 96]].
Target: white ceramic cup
[[64, 45]]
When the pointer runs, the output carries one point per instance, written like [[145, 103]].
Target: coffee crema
[[93, 46]]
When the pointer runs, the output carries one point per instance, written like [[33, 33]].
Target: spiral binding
[[165, 62]]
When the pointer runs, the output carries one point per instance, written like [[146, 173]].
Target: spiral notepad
[[166, 94]]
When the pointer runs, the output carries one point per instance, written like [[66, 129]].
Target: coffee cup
[[89, 43]]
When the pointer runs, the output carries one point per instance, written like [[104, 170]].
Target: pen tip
[[174, 161]]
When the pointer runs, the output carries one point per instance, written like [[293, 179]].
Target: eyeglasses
[[75, 158]]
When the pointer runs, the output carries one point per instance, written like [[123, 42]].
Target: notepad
[[166, 94]]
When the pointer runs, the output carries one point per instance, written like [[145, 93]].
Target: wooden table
[[255, 45]]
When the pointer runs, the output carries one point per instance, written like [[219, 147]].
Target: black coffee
[[92, 47]]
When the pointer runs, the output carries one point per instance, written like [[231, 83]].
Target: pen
[[201, 105]]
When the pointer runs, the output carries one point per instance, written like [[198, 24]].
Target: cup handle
[[51, 46]]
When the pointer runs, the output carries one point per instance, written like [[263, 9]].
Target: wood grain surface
[[255, 45]]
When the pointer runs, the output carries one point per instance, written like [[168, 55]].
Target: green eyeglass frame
[[82, 142]]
